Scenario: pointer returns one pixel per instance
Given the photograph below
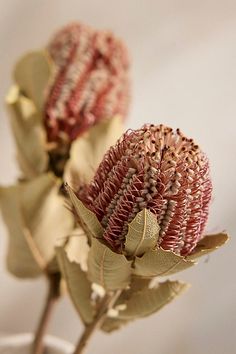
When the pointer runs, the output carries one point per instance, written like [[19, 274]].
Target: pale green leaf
[[87, 151], [150, 300], [32, 74], [36, 217], [142, 233], [107, 268], [87, 217], [208, 244], [160, 263], [30, 136], [78, 286]]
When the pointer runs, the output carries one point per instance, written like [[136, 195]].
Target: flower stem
[[107, 303], [52, 296]]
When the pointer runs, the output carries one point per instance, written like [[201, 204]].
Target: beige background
[[184, 74]]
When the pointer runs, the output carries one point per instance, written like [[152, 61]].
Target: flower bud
[[158, 169], [90, 81]]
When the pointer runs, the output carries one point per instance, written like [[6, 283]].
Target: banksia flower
[[158, 169], [90, 82]]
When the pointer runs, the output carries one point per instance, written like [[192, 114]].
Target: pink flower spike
[[158, 169]]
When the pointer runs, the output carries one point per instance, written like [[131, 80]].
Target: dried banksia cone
[[90, 82], [158, 169]]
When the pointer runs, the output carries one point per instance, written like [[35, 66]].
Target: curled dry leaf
[[142, 233], [35, 216], [208, 244], [77, 248], [160, 263], [29, 134], [88, 150], [109, 269], [77, 284]]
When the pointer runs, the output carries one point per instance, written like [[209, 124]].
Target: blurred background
[[184, 75]]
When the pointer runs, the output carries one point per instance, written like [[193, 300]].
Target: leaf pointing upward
[[32, 73], [143, 233], [88, 218]]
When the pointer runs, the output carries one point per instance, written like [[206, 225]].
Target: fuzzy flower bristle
[[90, 82], [159, 169]]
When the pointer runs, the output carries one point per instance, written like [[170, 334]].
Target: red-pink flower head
[[90, 83], [158, 169]]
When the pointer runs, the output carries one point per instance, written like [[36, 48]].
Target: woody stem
[[52, 296], [107, 303]]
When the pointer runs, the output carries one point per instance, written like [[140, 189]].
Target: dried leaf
[[29, 134], [208, 244], [107, 268], [160, 263], [143, 302], [78, 286], [32, 74], [20, 260], [88, 150], [142, 233], [35, 216], [137, 284], [77, 248], [88, 218], [148, 301]]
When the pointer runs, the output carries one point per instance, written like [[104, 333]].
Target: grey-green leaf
[[142, 233], [107, 268], [208, 244], [78, 286], [88, 218], [160, 263], [148, 301]]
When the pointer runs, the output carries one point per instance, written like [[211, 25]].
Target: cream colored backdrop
[[184, 74]]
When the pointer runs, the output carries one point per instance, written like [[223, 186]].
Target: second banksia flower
[[90, 81], [75, 88]]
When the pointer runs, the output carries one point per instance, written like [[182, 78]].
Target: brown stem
[[106, 304], [53, 294]]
